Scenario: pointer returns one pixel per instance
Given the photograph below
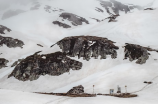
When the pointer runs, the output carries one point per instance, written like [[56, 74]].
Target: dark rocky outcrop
[[112, 18], [40, 45], [96, 19], [3, 28], [16, 62], [149, 9], [98, 9], [3, 62], [76, 90], [61, 24], [10, 42], [74, 20], [148, 82], [117, 6], [134, 52], [87, 47], [54, 64]]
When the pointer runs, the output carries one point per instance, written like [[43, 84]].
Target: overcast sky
[[5, 3]]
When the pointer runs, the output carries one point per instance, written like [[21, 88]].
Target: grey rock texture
[[49, 9], [76, 90], [117, 6], [87, 47], [4, 28], [149, 9], [99, 9], [137, 52], [61, 24], [74, 20], [10, 42], [16, 62], [54, 64], [3, 62]]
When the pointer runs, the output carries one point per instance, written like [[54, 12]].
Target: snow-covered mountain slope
[[34, 26]]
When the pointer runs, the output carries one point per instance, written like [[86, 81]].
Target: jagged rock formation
[[74, 20], [112, 18], [3, 28], [96, 19], [3, 62], [61, 24], [149, 9], [10, 42], [54, 64], [117, 6], [134, 52], [76, 90], [40, 45], [98, 9], [16, 62], [87, 47]]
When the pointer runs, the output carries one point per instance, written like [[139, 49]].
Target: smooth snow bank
[[17, 97]]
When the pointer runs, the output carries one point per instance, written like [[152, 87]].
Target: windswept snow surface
[[35, 27]]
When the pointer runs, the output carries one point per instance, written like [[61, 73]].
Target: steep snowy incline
[[35, 27], [120, 32]]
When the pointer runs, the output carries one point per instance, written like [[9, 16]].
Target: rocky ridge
[[87, 47], [134, 52], [10, 42], [75, 20], [3, 62], [54, 64], [3, 29], [76, 90]]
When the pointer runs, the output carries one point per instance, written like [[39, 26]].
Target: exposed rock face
[[74, 20], [87, 47], [16, 62], [98, 9], [149, 9], [117, 6], [134, 52], [61, 24], [76, 90], [54, 64], [3, 62], [112, 18], [3, 28], [40, 45], [10, 42]]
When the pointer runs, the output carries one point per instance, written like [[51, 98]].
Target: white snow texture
[[35, 27]]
